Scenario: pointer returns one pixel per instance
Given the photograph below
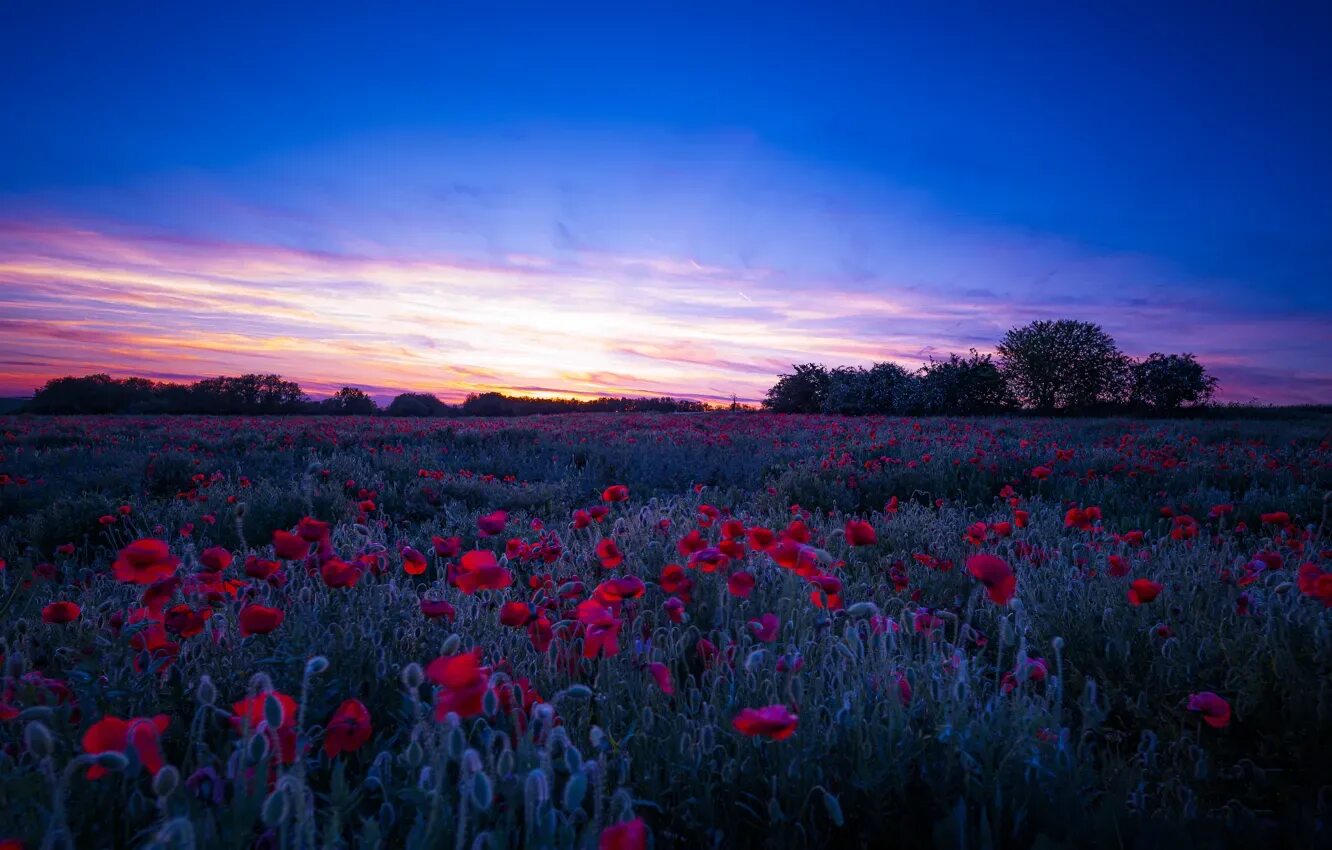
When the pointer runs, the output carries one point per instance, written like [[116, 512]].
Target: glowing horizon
[[441, 217]]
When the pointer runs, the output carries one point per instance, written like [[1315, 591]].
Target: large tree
[[1063, 365], [1170, 381], [963, 385], [802, 391]]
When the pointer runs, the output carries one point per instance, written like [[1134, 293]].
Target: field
[[678, 631]]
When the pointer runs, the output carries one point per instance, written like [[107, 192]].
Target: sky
[[657, 199]]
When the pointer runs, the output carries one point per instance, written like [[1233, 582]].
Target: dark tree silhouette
[[1063, 366], [1165, 382], [349, 401], [963, 385], [802, 391]]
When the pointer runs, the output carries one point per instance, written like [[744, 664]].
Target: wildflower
[[348, 729], [144, 562], [773, 722], [259, 619], [1142, 591], [114, 735], [462, 684], [59, 613], [1215, 710], [860, 533], [997, 576], [480, 571]]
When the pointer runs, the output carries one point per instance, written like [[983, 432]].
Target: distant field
[[728, 630]]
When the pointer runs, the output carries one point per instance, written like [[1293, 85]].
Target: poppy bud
[[863, 610], [273, 712], [573, 759], [574, 791], [206, 691], [111, 761], [483, 793], [535, 788], [37, 739], [504, 764], [166, 781], [413, 754], [257, 750], [579, 692], [274, 810], [457, 743], [833, 808], [451, 645], [316, 665], [412, 676]]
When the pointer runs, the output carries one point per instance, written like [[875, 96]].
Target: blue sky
[[951, 169]]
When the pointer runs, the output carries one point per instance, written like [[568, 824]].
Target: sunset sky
[[656, 199]]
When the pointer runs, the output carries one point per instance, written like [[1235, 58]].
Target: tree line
[[1048, 367], [255, 394]]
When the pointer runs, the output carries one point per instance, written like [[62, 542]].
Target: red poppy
[[1215, 710], [215, 559], [1034, 670], [338, 573], [479, 570], [601, 628], [311, 530], [616, 590], [348, 729], [462, 684], [860, 533], [261, 568], [765, 628], [773, 722], [610, 554], [1040, 473], [997, 576], [709, 560], [581, 518], [259, 619], [249, 714], [794, 556], [144, 562], [1021, 518], [740, 584], [630, 835], [290, 547], [437, 608], [615, 493], [185, 621], [761, 539], [114, 735], [662, 676], [446, 547], [59, 613], [690, 543], [492, 523], [674, 579], [1143, 590], [516, 614], [413, 562], [1276, 518]]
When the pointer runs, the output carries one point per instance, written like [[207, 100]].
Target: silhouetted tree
[[1165, 382], [802, 391], [962, 385], [1063, 365], [350, 401], [417, 404]]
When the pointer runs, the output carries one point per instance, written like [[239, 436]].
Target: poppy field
[[669, 631]]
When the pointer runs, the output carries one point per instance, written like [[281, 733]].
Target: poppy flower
[[1143, 590], [114, 735], [616, 590], [690, 543], [413, 562], [492, 523], [761, 539], [615, 493], [479, 570], [773, 722], [1040, 473], [1214, 709], [215, 559], [261, 568], [662, 676], [609, 553], [249, 714], [338, 573], [259, 619], [516, 615], [144, 562], [446, 547], [995, 573], [1021, 518], [437, 608], [59, 613], [601, 629], [674, 609], [185, 621], [860, 533], [462, 684], [674, 579], [1276, 518], [311, 529], [740, 584], [630, 835], [290, 547], [348, 729], [581, 518], [1119, 566], [1034, 670], [795, 556], [765, 628]]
